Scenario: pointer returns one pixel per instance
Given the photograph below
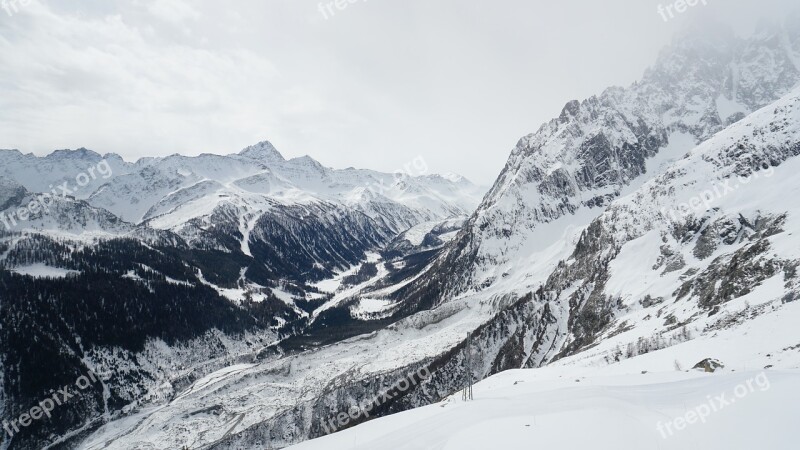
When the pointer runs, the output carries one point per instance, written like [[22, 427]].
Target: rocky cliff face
[[598, 149]]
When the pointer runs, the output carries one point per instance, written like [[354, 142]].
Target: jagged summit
[[263, 151], [78, 153], [599, 148]]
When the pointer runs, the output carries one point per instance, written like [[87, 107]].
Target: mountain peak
[[263, 151], [449, 177], [453, 177], [74, 154]]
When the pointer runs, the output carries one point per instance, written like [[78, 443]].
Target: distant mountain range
[[216, 256]]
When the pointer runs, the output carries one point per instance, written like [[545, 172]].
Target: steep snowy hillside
[[597, 150], [55, 214], [47, 174], [169, 192], [513, 409], [717, 226]]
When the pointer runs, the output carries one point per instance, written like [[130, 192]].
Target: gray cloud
[[373, 85]]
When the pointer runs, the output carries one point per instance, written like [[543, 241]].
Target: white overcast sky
[[379, 83]]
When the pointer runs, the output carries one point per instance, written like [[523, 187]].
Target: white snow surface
[[43, 271], [517, 409], [619, 405]]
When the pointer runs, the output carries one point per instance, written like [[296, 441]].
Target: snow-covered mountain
[[238, 202], [651, 224], [603, 147], [170, 191], [644, 229]]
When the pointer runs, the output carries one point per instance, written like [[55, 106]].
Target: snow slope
[[519, 409], [617, 406]]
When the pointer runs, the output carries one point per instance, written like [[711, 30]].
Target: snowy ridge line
[[599, 149], [179, 193], [40, 203]]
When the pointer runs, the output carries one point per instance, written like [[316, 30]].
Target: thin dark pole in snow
[[467, 394]]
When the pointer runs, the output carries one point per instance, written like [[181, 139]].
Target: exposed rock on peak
[[264, 152]]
